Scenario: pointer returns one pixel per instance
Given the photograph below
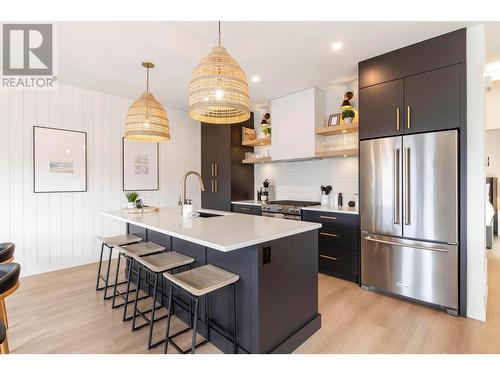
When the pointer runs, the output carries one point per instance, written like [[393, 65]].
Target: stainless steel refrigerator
[[409, 216]]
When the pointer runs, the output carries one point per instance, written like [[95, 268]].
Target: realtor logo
[[28, 56]]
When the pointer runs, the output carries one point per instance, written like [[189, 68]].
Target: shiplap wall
[[57, 230]]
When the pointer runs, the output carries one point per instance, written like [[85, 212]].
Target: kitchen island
[[277, 261]]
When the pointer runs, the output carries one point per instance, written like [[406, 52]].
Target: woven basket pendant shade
[[147, 120], [218, 92]]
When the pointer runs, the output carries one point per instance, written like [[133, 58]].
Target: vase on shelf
[[348, 120]]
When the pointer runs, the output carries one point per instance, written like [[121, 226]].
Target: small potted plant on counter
[[131, 198], [348, 116]]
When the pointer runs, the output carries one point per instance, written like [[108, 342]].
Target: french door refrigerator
[[409, 216]]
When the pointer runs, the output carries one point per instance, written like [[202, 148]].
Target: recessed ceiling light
[[336, 46], [255, 79]]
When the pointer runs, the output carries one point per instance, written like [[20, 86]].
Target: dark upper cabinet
[[381, 109], [443, 50], [225, 177], [432, 100], [426, 81]]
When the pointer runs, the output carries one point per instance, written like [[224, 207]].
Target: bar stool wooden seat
[[130, 252], [195, 283], [156, 264], [110, 243], [7, 252], [9, 282], [4, 345]]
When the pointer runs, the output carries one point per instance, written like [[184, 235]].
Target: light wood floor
[[60, 312]]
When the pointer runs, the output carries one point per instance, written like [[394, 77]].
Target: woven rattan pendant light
[[218, 92], [147, 120]]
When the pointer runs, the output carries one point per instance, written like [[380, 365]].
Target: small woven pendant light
[[147, 120], [218, 92]]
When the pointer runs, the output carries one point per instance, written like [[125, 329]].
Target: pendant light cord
[[147, 79], [219, 33]]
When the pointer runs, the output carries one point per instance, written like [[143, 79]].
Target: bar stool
[[7, 252], [130, 252], [4, 345], [9, 282], [195, 283], [110, 243], [156, 264]]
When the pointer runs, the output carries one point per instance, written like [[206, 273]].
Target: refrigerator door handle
[[396, 188], [407, 203], [438, 248]]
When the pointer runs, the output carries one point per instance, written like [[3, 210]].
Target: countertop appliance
[[286, 209], [409, 216]]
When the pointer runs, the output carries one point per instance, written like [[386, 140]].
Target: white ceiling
[[288, 56]]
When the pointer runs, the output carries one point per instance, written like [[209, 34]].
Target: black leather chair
[[9, 282], [7, 252], [4, 346]]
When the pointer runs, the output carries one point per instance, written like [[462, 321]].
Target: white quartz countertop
[[228, 232], [331, 208]]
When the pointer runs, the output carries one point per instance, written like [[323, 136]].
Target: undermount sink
[[206, 214]]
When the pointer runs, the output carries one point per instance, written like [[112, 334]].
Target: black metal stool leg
[[151, 324], [193, 342], [106, 283], [113, 306], [207, 315], [138, 287], [235, 319], [169, 316], [128, 289], [99, 270]]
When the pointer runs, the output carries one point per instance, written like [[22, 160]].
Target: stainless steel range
[[286, 209]]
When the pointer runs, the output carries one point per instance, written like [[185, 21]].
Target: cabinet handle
[[328, 234], [213, 169], [213, 189], [216, 170], [328, 217], [328, 257], [398, 119], [216, 186], [408, 110], [244, 209]]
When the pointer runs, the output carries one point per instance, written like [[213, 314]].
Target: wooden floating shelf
[[257, 142], [334, 130], [257, 160], [338, 153]]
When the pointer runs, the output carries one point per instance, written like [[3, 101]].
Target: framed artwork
[[140, 168], [334, 119], [59, 160]]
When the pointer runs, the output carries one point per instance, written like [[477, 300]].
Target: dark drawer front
[[335, 235], [247, 209], [338, 261], [330, 217]]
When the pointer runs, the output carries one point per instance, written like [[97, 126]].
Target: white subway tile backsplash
[[301, 180]]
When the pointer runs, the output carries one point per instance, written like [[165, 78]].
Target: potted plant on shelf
[[265, 125], [131, 198], [348, 116]]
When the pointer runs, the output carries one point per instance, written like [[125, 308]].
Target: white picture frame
[[140, 166], [59, 160]]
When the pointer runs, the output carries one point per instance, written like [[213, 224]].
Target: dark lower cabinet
[[338, 243], [247, 209]]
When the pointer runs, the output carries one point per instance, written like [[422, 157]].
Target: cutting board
[[140, 211]]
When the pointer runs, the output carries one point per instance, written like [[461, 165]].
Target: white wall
[[57, 230], [493, 106], [302, 179], [476, 246]]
